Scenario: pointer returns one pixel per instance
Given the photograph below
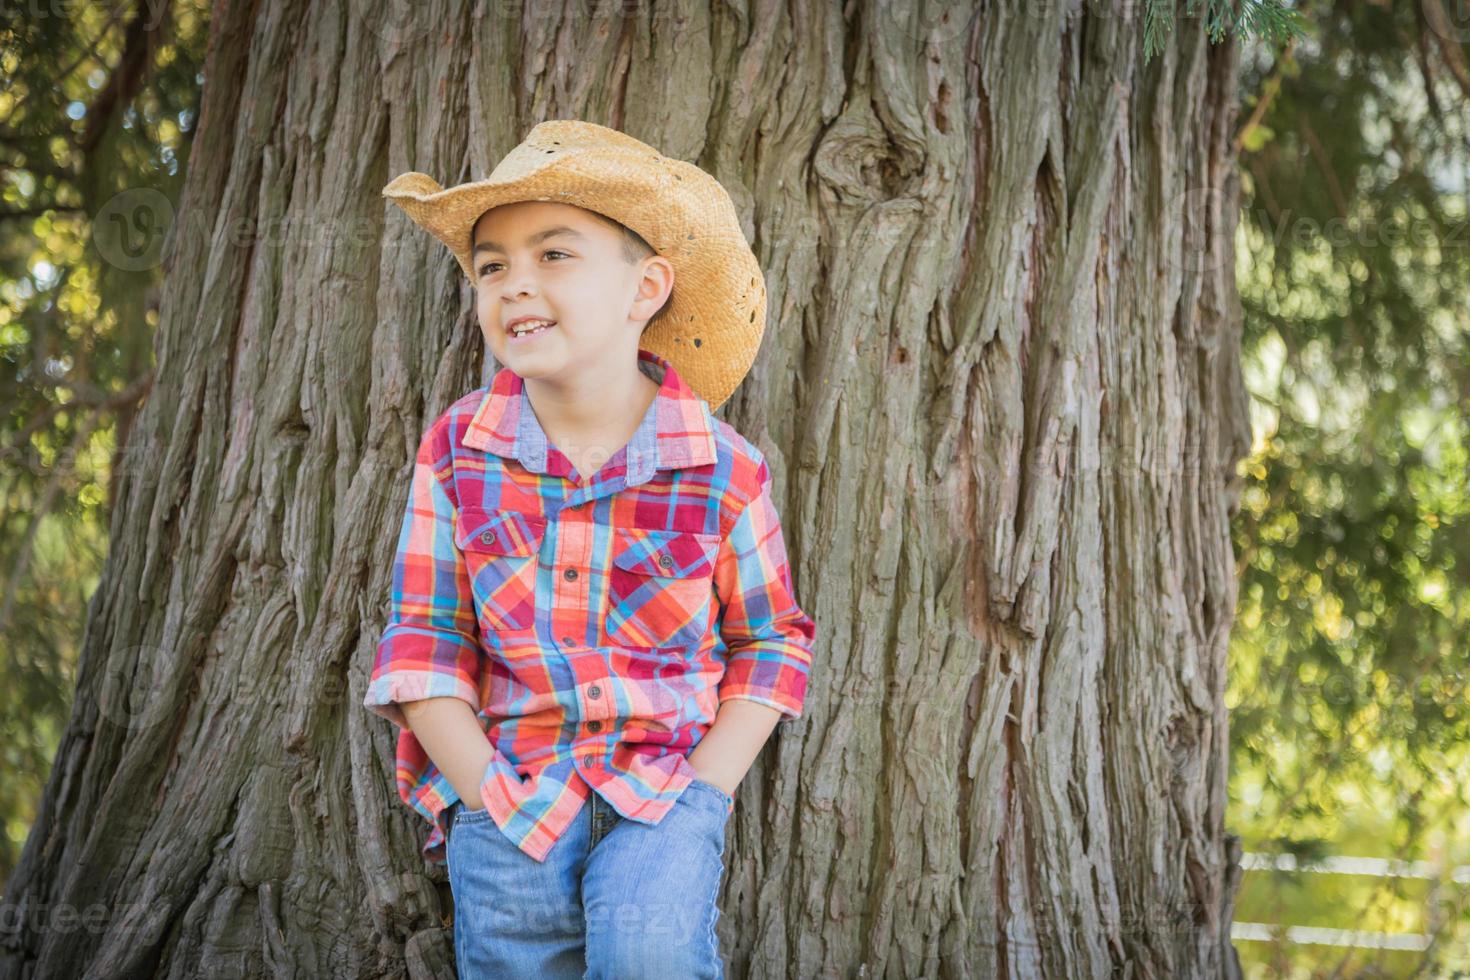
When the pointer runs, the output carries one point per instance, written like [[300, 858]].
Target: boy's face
[[565, 264]]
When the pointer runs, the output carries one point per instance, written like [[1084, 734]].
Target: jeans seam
[[714, 918], [457, 937], [603, 819]]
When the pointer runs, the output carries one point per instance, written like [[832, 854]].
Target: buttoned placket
[[571, 616]]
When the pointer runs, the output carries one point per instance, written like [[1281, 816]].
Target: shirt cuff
[[416, 664], [773, 675]]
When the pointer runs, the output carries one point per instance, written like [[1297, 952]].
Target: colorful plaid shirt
[[595, 627]]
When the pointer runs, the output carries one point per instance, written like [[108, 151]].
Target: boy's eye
[[485, 269]]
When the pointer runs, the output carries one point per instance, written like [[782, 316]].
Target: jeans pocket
[[467, 816], [726, 801]]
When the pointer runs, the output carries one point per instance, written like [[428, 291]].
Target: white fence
[[1357, 938]]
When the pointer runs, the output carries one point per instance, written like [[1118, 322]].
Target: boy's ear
[[661, 311]]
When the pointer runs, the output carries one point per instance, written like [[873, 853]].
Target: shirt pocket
[[660, 587], [500, 550]]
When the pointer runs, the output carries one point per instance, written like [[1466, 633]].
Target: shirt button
[[569, 574], [594, 726], [665, 561], [594, 692], [591, 760], [566, 641], [487, 537]]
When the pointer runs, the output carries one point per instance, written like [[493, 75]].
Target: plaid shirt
[[595, 627]]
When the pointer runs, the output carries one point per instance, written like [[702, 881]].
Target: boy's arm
[[426, 675], [450, 732], [728, 748], [769, 639]]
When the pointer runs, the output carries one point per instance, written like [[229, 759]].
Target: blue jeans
[[614, 898]]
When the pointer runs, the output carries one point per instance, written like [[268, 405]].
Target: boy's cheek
[[490, 330]]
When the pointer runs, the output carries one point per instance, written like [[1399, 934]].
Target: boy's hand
[[724, 755]]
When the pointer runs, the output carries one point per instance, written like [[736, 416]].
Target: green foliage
[[97, 100], [1265, 19], [1349, 690]]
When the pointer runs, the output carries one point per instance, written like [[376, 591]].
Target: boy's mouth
[[522, 329]]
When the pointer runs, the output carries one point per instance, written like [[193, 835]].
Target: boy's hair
[[636, 249]]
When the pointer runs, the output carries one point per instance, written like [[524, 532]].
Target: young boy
[[593, 627]]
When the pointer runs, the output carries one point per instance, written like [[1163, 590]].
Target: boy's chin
[[554, 357], [535, 361]]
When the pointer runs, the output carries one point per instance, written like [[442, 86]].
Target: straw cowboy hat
[[711, 328]]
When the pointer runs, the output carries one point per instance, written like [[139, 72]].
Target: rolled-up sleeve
[[768, 636], [430, 647]]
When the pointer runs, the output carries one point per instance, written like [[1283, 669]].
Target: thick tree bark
[[1001, 395]]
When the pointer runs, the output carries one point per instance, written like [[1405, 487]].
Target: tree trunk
[[1000, 392]]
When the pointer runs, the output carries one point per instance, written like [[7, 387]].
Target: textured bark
[[1001, 396]]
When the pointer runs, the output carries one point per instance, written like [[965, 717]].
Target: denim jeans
[[614, 898]]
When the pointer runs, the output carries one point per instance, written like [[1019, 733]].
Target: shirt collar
[[675, 431]]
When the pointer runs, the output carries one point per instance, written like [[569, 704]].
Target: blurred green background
[[1348, 691]]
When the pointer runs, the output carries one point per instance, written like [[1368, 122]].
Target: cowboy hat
[[715, 316]]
